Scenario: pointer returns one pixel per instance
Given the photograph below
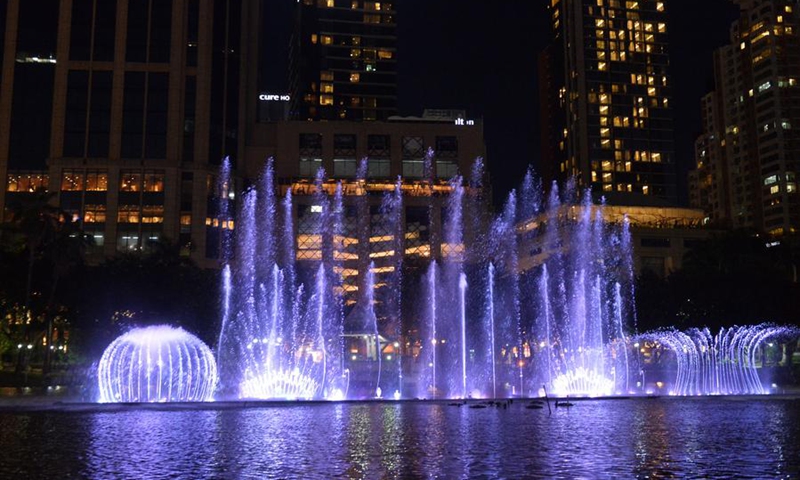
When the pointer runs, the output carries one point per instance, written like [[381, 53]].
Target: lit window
[[130, 182], [153, 214], [154, 181], [327, 40], [128, 214], [72, 181], [96, 181], [94, 214], [326, 99], [355, 77]]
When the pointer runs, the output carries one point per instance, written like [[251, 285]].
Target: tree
[[50, 238]]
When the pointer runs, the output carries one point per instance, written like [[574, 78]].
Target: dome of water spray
[[157, 364]]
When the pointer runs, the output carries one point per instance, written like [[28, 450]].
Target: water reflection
[[665, 438]]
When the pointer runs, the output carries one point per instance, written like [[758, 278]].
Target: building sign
[[272, 97]]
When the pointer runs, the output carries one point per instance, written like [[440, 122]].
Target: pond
[[713, 437]]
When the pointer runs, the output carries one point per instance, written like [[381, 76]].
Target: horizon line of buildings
[[126, 109]]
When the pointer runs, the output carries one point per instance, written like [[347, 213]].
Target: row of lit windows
[[309, 248], [27, 182], [125, 214], [648, 28], [630, 5], [143, 214], [617, 49], [217, 223], [353, 4], [355, 102], [97, 181], [79, 180], [608, 186], [376, 168]]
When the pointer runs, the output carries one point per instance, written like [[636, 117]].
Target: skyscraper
[[748, 157], [607, 73], [343, 61], [141, 100]]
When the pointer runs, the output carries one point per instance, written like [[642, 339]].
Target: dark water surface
[[632, 438]]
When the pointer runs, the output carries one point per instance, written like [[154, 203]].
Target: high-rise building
[[343, 61], [608, 72], [126, 108], [748, 157]]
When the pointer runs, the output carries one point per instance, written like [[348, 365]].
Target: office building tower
[[144, 99], [608, 73], [343, 61]]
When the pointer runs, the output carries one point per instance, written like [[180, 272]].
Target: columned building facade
[[145, 99]]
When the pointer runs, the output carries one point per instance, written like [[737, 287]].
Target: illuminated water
[[637, 438], [722, 364], [482, 328], [157, 364]]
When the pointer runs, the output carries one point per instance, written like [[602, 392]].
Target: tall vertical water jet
[[492, 355], [434, 339], [462, 287], [369, 307]]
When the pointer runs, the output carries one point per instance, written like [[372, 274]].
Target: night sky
[[481, 56]]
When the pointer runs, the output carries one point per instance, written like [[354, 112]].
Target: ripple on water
[[712, 437]]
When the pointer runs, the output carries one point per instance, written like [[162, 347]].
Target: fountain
[[317, 303], [157, 364], [312, 310], [721, 364]]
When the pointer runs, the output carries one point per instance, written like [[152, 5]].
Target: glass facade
[[349, 61], [615, 92]]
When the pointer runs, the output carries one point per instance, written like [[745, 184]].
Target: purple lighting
[[157, 364]]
